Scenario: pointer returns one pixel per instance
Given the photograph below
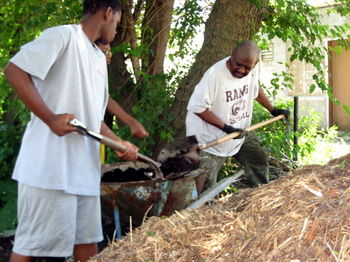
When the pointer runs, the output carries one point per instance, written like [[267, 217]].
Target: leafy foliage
[[274, 137], [188, 19], [154, 95], [8, 204], [188, 23], [342, 7], [300, 24], [277, 137], [311, 136]]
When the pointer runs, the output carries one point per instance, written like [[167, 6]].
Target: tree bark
[[230, 22], [155, 33], [121, 84], [118, 73]]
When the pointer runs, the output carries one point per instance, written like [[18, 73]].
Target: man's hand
[[130, 152], [59, 124], [230, 129], [137, 129], [277, 112]]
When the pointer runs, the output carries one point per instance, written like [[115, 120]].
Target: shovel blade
[[185, 148]]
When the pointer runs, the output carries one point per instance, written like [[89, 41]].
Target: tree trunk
[[230, 22], [121, 84], [155, 33]]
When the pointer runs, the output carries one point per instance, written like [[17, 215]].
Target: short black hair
[[94, 6], [248, 47]]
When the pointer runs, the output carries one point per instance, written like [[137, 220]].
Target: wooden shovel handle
[[113, 144], [235, 134]]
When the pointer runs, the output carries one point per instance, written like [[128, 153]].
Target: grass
[[334, 145]]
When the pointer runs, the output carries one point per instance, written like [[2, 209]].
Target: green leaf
[[343, 163], [312, 88], [152, 234], [335, 252], [347, 109]]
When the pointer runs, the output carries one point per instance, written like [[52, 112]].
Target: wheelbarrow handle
[[235, 134]]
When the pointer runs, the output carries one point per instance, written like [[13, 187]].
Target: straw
[[302, 216]]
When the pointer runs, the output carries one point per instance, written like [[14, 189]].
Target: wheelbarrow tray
[[138, 199]]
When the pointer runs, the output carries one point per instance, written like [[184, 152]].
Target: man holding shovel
[[222, 103], [62, 75]]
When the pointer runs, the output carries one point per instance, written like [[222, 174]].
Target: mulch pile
[[303, 216]]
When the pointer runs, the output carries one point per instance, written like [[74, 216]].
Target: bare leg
[[19, 258], [84, 252]]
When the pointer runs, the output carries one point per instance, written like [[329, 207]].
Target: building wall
[[317, 101]]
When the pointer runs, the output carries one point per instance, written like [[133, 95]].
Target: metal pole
[[118, 226], [295, 128]]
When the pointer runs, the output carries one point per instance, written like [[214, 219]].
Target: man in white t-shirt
[[59, 76], [222, 103]]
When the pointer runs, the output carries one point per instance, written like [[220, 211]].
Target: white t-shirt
[[70, 73], [229, 98]]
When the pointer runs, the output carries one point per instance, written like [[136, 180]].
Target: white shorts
[[51, 222]]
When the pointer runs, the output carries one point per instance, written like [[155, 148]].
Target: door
[[339, 79]]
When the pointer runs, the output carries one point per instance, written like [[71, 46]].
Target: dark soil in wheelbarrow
[[171, 166]]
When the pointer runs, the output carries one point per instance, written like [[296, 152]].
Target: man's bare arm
[[212, 119], [23, 85], [264, 101], [135, 126]]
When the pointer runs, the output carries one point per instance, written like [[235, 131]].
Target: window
[[267, 54]]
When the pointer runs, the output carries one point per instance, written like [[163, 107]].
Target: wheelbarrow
[[146, 197]]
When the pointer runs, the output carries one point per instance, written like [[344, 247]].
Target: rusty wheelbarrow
[[145, 197]]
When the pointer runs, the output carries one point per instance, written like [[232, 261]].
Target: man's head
[[93, 6], [109, 11], [243, 58]]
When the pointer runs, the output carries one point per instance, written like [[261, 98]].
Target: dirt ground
[[5, 247]]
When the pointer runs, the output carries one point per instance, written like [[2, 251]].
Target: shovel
[[115, 145], [188, 148]]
